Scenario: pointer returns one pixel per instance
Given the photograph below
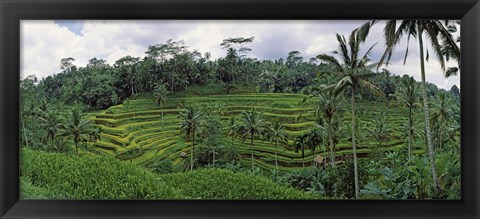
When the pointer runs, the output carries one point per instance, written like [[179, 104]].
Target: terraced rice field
[[137, 132]]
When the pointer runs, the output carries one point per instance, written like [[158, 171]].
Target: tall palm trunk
[[251, 147], [332, 152], [76, 147], [276, 160], [233, 158], [214, 157], [191, 153], [355, 168], [427, 113], [24, 130], [303, 158], [161, 108], [410, 127]]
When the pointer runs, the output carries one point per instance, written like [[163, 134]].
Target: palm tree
[[252, 125], [190, 122], [380, 129], [446, 46], [51, 123], [77, 127], [301, 144], [315, 138], [407, 97], [277, 133], [354, 73], [161, 93], [326, 111], [232, 127], [441, 116]]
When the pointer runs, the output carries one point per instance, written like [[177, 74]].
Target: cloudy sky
[[44, 43]]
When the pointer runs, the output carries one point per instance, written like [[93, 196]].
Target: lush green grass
[[30, 191], [92, 177], [47, 175], [225, 184]]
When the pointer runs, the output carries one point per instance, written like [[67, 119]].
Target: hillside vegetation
[[57, 176], [138, 126]]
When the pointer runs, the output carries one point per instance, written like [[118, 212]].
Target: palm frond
[[364, 30], [432, 34], [451, 71], [330, 60], [368, 86], [342, 44]]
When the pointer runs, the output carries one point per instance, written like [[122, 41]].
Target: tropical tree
[[231, 128], [190, 122], [301, 143], [161, 93], [51, 123], [441, 117], [407, 96], [380, 130], [76, 128], [252, 125], [354, 74], [276, 133], [315, 137], [441, 40], [326, 112], [212, 126]]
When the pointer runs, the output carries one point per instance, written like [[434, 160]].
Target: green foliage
[[91, 177], [214, 183], [162, 166], [29, 191]]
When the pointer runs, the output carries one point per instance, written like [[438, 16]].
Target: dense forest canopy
[[99, 85]]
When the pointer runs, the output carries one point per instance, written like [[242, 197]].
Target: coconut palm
[[441, 116], [301, 143], [77, 128], [326, 112], [51, 123], [407, 96], [252, 125], [315, 137], [277, 133], [161, 93], [443, 45], [190, 121], [231, 127], [354, 73], [380, 130]]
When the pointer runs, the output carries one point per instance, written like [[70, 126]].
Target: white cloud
[[44, 43]]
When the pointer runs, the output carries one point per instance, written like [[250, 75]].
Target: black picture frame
[[12, 11]]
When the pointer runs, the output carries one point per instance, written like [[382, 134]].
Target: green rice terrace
[[137, 132], [178, 124]]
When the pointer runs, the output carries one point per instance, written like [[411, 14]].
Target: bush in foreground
[[215, 183], [61, 176], [95, 177]]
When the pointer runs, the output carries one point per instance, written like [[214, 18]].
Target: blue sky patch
[[75, 26]]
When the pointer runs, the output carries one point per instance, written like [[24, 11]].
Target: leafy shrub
[[163, 166], [213, 183], [29, 191]]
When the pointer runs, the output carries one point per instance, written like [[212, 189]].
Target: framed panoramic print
[[141, 109]]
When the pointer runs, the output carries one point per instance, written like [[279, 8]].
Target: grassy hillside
[[135, 130], [59, 176]]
